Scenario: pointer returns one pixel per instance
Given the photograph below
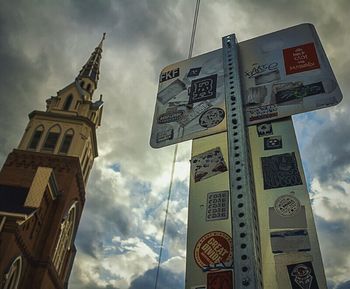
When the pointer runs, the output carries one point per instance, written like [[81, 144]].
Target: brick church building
[[42, 185]]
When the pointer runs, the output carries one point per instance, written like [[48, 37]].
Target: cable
[[175, 151]]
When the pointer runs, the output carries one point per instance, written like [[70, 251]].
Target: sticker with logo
[[164, 76], [220, 280], [272, 143], [280, 171], [264, 129], [213, 248], [300, 58], [217, 206], [208, 164], [194, 72], [202, 89], [262, 112], [302, 276], [212, 117]]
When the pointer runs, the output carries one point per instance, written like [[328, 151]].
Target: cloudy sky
[[42, 48]]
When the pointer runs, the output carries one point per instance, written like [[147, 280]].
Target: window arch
[[65, 238], [68, 102], [36, 137], [52, 138], [14, 274], [66, 142]]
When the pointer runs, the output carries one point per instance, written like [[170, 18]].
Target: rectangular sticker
[[256, 95], [217, 206], [191, 114], [169, 74], [298, 92], [290, 241], [272, 143], [262, 112], [219, 279], [302, 276], [172, 90], [203, 89], [208, 164], [278, 221], [280, 171], [264, 129], [267, 77], [300, 58]]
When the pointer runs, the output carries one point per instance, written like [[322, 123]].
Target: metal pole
[[245, 230]]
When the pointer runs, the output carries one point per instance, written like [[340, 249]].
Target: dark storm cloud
[[343, 285], [167, 279]]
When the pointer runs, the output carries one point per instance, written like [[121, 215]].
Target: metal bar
[[245, 231]]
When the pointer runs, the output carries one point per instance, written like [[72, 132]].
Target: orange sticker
[[213, 248], [300, 58]]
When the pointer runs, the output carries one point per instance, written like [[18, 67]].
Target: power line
[[194, 27]]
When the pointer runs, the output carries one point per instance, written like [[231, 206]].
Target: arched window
[[52, 138], [68, 102], [67, 140], [13, 274], [65, 238], [36, 137]]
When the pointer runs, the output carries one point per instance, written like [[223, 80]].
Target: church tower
[[42, 185]]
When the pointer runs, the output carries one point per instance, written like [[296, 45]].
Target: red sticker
[[219, 280], [300, 58], [213, 248]]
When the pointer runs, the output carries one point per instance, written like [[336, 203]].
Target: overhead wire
[[193, 34]]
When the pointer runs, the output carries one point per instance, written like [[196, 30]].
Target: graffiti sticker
[[264, 129], [203, 88], [280, 171], [302, 276], [208, 164], [212, 117], [212, 248], [194, 72], [272, 143], [217, 206]]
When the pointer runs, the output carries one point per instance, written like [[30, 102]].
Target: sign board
[[282, 73], [190, 100]]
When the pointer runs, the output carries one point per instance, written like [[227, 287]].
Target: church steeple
[[89, 74]]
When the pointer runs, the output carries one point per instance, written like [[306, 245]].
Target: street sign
[[283, 73], [190, 100]]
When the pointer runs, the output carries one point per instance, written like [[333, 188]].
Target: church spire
[[91, 70]]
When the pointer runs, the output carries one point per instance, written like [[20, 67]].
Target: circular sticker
[[287, 205], [213, 248], [211, 117]]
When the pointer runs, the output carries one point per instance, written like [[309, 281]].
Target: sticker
[[298, 220], [256, 95], [194, 72], [164, 133], [264, 129], [267, 77], [212, 117], [300, 58], [208, 164], [212, 248], [290, 241], [171, 115], [202, 89], [219, 280], [272, 143], [172, 90], [287, 206], [262, 112], [258, 69], [218, 266], [302, 276], [193, 113], [280, 171], [217, 206], [199, 287], [169, 74], [299, 92]]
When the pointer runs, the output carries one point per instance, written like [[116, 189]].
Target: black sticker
[[272, 143], [212, 117], [169, 74], [264, 129], [194, 72], [299, 92], [302, 276], [203, 89], [280, 171]]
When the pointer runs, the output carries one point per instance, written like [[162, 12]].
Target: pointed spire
[[91, 69]]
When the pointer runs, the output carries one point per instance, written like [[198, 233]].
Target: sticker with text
[[217, 206], [302, 276], [220, 280]]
